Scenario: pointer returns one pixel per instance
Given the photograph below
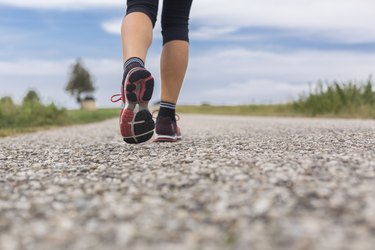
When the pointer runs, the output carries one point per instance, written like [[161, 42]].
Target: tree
[[80, 81], [7, 100], [31, 96]]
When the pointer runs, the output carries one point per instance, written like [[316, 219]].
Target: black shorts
[[174, 18]]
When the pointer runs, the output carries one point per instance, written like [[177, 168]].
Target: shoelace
[[157, 111], [117, 100]]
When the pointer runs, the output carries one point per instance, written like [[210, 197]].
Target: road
[[232, 183]]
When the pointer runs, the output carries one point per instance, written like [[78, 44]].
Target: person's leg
[[173, 65], [174, 58], [137, 29], [136, 33], [137, 125]]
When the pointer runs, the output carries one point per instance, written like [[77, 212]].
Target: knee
[[175, 20], [174, 28], [148, 7]]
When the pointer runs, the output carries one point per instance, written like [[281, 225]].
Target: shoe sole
[[140, 86], [166, 138], [139, 127]]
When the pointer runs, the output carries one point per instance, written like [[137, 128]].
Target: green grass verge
[[69, 117], [281, 110], [329, 99], [338, 99], [84, 116], [251, 110]]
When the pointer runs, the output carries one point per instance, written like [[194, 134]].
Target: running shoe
[[166, 130], [136, 124]]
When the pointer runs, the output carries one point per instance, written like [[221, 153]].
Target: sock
[[167, 109], [132, 63]]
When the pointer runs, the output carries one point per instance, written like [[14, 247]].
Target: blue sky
[[242, 51]]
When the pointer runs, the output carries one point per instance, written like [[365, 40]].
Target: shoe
[[137, 88], [166, 130]]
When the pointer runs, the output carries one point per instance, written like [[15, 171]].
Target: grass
[[31, 115], [71, 117], [84, 116], [329, 99], [251, 110], [338, 99]]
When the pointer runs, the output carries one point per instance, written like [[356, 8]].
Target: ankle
[[167, 109], [131, 63]]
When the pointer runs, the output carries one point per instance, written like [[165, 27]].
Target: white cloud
[[257, 91], [219, 77], [203, 33], [62, 4], [261, 76], [112, 26], [36, 68], [49, 78], [297, 66], [345, 21], [334, 19], [241, 74], [207, 33]]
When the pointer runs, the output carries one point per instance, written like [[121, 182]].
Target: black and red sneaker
[[166, 130], [136, 126]]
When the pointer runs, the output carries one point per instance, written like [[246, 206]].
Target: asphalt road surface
[[232, 183]]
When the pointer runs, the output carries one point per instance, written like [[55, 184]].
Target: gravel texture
[[232, 183]]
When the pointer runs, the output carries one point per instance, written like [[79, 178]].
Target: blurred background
[[242, 51]]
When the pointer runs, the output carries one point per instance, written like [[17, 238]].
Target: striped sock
[[168, 109], [132, 63]]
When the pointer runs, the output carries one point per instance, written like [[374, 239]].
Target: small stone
[[262, 206], [188, 160]]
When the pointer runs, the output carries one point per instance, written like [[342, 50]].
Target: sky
[[242, 51]]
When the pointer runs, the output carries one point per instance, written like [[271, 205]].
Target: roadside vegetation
[[329, 99], [325, 99], [32, 115], [251, 110], [339, 99]]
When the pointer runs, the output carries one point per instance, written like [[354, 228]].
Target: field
[[330, 99], [67, 118]]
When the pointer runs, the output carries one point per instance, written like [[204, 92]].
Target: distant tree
[[8, 111], [80, 81], [31, 96], [7, 100]]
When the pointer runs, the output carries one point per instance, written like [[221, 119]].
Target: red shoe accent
[[127, 116]]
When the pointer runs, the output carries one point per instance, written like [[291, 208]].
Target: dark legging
[[174, 18]]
